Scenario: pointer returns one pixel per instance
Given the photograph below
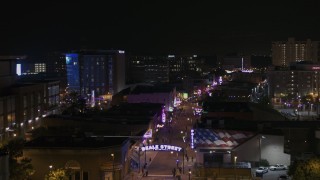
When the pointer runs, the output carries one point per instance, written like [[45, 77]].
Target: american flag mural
[[219, 138]]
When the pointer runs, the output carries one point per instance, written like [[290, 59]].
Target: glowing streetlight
[[260, 139], [235, 165], [112, 165]]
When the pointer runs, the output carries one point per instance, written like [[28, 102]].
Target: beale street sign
[[161, 147]]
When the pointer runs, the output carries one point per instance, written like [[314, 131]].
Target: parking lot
[[271, 175]]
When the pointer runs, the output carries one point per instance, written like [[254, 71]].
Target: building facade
[[87, 158], [170, 68], [285, 52], [292, 84], [98, 72], [23, 103]]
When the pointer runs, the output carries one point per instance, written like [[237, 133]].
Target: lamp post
[[112, 166], [260, 139], [189, 173], [235, 165]]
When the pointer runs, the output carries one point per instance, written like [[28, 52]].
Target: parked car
[[278, 167], [283, 177], [262, 170]]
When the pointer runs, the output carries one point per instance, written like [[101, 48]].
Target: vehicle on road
[[262, 169], [278, 167], [283, 177]]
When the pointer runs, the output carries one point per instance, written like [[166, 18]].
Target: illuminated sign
[[316, 68], [161, 147], [192, 141], [163, 116], [121, 52], [170, 109], [148, 134], [185, 95], [170, 56], [220, 80]]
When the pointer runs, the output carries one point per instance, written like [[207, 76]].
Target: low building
[[147, 94], [23, 103], [221, 148], [86, 157]]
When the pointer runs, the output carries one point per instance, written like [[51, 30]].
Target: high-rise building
[[170, 68], [285, 52], [294, 83], [148, 69], [99, 72]]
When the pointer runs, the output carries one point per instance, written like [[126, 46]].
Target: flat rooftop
[[75, 142]]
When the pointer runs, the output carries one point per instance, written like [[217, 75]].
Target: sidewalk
[[135, 174]]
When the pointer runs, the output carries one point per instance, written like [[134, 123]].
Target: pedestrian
[[174, 172]]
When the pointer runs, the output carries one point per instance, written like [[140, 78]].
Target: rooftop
[[75, 142]]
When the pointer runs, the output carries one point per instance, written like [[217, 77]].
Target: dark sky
[[202, 27]]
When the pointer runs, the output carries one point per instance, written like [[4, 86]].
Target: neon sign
[[163, 116], [161, 148], [148, 134], [192, 140]]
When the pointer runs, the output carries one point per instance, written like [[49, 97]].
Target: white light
[[18, 69], [21, 124], [121, 52], [161, 147]]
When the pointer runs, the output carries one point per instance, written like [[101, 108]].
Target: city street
[[163, 163]]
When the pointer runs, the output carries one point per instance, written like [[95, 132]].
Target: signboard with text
[[161, 147]]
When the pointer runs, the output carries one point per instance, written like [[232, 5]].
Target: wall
[[93, 161], [272, 149]]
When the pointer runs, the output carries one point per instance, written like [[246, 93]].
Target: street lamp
[[260, 139], [235, 165], [112, 166], [189, 173]]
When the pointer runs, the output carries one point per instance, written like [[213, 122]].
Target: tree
[[304, 170], [73, 104], [20, 168], [58, 174]]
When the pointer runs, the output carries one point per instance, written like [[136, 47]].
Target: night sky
[[140, 27]]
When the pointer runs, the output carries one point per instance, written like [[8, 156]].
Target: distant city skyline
[[156, 27]]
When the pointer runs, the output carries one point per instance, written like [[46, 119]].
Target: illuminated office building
[[285, 52], [99, 71]]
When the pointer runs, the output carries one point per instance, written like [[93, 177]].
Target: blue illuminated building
[[101, 71], [72, 63]]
